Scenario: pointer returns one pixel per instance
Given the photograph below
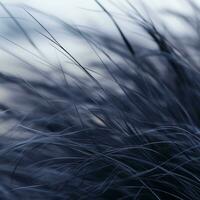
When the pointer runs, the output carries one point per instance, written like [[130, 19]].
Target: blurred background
[[21, 33]]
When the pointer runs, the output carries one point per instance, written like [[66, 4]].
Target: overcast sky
[[87, 12], [72, 8]]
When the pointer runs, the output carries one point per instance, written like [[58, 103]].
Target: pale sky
[[87, 12], [72, 8]]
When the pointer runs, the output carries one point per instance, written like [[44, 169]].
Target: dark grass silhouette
[[79, 138]]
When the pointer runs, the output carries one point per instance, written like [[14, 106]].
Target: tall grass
[[76, 137]]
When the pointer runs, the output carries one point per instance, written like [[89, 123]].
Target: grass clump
[[76, 137]]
